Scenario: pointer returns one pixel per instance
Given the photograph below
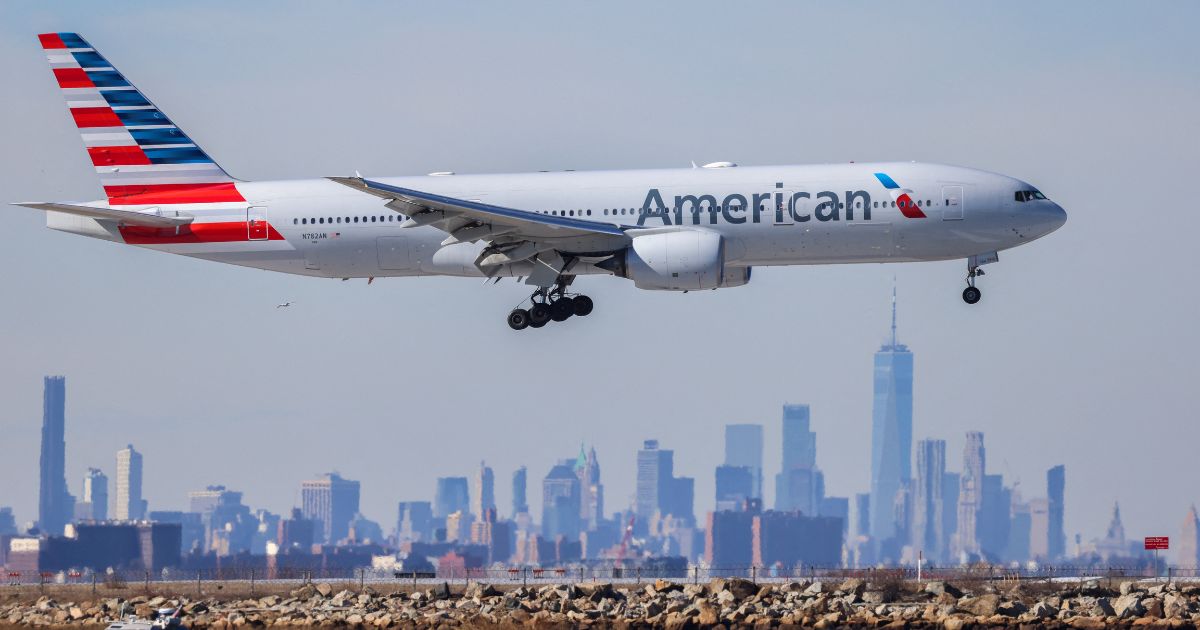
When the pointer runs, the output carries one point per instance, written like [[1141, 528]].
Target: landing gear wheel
[[539, 314], [583, 305], [518, 319], [971, 295], [562, 309]]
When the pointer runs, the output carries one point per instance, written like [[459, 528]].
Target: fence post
[[198, 584], [362, 579], [639, 575], [753, 574], [41, 581], [147, 574], [252, 582], [525, 576], [695, 575], [93, 583]]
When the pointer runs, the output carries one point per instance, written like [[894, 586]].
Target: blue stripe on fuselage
[[887, 182]]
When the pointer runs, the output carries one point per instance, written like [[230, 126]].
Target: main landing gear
[[971, 294], [550, 305]]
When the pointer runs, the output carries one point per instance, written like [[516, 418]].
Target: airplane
[[685, 229], [283, 305]]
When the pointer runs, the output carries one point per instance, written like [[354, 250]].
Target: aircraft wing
[[511, 235], [453, 215], [127, 217]]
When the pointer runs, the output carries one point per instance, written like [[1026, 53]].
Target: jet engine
[[682, 260]]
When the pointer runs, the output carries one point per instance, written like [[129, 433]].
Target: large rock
[[1175, 606], [1102, 607], [816, 588], [709, 615], [1128, 605], [937, 588], [1044, 610], [1130, 587], [324, 590], [666, 586], [853, 585], [741, 589], [1012, 609], [982, 606], [476, 589]]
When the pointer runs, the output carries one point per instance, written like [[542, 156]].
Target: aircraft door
[[952, 203], [256, 223]]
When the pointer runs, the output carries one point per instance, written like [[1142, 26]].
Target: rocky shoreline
[[731, 603]]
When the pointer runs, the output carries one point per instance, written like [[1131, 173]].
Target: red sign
[[1158, 542]]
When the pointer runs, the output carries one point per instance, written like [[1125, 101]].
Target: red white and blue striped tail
[[141, 156]]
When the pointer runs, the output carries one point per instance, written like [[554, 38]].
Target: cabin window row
[[390, 218]]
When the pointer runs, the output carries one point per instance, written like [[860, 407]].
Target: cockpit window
[[1029, 195]]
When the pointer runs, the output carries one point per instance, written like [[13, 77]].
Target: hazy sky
[[1082, 352]]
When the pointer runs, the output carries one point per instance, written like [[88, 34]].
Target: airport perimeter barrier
[[239, 581]]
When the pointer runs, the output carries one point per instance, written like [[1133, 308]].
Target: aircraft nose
[[1057, 216], [1046, 217]]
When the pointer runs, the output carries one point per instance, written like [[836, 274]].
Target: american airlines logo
[[778, 206]]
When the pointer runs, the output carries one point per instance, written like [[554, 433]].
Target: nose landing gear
[[550, 305]]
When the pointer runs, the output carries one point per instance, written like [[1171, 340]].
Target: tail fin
[[141, 156]]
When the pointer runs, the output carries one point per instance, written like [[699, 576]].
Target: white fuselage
[[781, 215]]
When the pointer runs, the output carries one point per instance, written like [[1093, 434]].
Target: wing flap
[[127, 217]]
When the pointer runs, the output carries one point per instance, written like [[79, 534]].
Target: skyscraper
[[654, 468], [55, 504], [797, 482], [970, 495], [485, 490], [927, 534], [1056, 480], [93, 505], [658, 489], [414, 521], [519, 484], [332, 502], [129, 506], [561, 497], [591, 503], [1189, 541], [452, 495], [744, 447], [1039, 530], [735, 484], [891, 430]]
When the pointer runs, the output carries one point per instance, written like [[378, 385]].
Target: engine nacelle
[[684, 260]]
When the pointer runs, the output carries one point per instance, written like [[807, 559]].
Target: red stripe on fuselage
[[118, 156], [220, 232], [908, 207], [95, 117], [133, 195], [72, 78], [51, 40]]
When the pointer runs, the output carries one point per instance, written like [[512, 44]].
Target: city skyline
[[463, 499], [988, 519]]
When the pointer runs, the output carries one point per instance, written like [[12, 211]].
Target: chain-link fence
[[252, 582]]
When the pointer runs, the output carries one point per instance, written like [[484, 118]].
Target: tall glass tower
[[891, 430], [55, 505]]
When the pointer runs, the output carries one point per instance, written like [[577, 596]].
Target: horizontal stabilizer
[[150, 218]]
